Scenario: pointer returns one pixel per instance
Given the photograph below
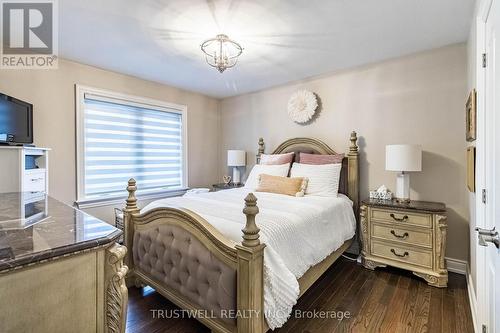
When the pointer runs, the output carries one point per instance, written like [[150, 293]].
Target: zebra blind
[[124, 140]]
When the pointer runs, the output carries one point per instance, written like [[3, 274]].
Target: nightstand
[[410, 236], [222, 186]]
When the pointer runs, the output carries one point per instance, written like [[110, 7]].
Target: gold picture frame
[[471, 168], [470, 117]]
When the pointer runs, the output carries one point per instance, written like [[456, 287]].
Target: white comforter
[[298, 233]]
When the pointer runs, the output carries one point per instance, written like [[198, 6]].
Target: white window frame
[[80, 91]]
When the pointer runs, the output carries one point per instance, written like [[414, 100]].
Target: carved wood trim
[[365, 239], [314, 144], [116, 290], [441, 230]]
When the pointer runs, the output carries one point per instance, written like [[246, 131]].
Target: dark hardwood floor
[[385, 300]]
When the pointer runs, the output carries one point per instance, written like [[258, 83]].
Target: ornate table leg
[[370, 264], [433, 280], [116, 290]]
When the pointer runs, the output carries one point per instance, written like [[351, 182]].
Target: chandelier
[[221, 52]]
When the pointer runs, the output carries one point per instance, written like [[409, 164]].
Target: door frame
[[477, 296]]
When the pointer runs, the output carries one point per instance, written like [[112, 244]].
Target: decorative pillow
[[306, 158], [276, 158], [258, 169], [323, 178], [282, 185]]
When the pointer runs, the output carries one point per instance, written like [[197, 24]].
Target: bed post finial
[[260, 151], [131, 205], [251, 231], [250, 276], [353, 148], [353, 172], [128, 228]]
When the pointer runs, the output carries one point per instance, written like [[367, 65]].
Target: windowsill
[[100, 202]]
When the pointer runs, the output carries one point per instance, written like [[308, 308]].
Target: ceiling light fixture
[[221, 52]]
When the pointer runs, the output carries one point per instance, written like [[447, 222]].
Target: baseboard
[[456, 266], [472, 300]]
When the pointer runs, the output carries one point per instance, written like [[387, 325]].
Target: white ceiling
[[283, 41]]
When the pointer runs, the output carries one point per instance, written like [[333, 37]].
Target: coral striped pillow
[[273, 159], [306, 158]]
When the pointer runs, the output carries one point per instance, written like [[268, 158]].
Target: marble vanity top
[[35, 227]]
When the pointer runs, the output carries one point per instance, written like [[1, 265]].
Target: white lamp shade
[[236, 158], [403, 158]]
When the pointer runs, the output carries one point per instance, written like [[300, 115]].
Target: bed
[[189, 249]]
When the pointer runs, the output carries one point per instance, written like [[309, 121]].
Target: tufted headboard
[[349, 178]]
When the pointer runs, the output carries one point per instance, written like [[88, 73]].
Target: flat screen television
[[16, 121]]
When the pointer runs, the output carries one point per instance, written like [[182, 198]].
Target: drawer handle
[[400, 255], [403, 236], [403, 219]]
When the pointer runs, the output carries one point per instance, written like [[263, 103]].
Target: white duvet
[[299, 232]]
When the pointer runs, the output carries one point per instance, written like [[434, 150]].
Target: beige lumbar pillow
[[282, 185]]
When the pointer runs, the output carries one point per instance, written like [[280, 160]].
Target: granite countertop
[[35, 227], [428, 206]]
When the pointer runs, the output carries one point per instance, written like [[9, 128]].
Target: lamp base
[[403, 188], [402, 201], [236, 176]]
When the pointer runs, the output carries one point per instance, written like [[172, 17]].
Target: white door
[[489, 299]]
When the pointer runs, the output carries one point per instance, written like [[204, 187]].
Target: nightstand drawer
[[403, 254], [402, 217], [422, 237]]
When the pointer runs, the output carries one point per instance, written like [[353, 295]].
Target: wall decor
[[470, 116], [302, 106], [471, 168]]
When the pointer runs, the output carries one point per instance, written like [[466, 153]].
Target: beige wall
[[53, 94], [415, 99]]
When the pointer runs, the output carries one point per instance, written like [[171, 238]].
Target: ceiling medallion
[[221, 52]]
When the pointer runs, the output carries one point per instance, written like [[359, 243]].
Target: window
[[121, 137]]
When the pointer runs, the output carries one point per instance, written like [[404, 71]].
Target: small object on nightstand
[[410, 236], [223, 186], [381, 193], [226, 179]]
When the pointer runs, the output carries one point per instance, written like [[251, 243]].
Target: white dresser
[[24, 169]]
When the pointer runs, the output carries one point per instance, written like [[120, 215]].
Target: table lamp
[[235, 159], [403, 158]]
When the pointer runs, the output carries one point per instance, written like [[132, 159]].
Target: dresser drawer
[[395, 233], [402, 217], [399, 253], [34, 180]]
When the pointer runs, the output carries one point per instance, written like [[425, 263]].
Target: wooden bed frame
[[245, 258]]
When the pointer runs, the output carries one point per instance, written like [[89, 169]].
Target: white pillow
[[273, 170], [323, 178]]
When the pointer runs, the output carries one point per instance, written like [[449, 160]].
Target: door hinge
[[484, 196], [485, 330], [484, 60]]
